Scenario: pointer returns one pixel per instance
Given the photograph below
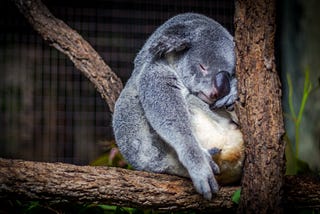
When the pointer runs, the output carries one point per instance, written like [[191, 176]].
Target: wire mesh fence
[[48, 110]]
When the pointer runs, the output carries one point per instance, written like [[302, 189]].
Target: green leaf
[[236, 196], [102, 160]]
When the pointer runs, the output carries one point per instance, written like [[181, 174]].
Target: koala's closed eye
[[203, 69]]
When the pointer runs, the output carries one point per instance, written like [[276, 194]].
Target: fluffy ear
[[172, 39]]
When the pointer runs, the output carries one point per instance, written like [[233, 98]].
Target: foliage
[[294, 164], [307, 87], [35, 207], [236, 196], [112, 157]]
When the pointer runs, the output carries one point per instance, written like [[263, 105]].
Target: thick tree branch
[[57, 181], [69, 42]]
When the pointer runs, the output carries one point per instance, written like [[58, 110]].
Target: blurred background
[[50, 112]]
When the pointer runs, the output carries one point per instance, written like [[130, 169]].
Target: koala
[[172, 115]]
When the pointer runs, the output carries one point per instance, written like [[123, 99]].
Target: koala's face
[[207, 69]]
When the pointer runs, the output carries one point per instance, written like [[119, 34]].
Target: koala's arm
[[164, 104]]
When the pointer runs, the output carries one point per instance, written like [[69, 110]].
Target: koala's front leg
[[163, 99]]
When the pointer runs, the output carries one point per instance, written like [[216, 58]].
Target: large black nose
[[221, 83]]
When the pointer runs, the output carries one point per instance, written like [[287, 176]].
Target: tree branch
[[28, 180], [69, 42], [59, 181]]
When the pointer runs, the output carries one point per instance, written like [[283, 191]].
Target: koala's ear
[[175, 38]]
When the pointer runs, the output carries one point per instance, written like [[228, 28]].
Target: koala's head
[[202, 53], [207, 68]]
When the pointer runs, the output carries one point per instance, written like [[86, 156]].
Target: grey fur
[[152, 118]]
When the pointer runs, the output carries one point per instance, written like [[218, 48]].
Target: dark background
[[49, 111]]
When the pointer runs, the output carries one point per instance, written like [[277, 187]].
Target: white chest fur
[[216, 130]]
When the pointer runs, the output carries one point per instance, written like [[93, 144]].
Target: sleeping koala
[[171, 116]]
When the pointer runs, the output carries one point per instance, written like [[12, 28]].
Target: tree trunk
[[69, 42], [259, 108]]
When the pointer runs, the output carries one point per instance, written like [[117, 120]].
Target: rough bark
[[66, 182], [69, 42], [259, 108], [26, 180], [301, 192]]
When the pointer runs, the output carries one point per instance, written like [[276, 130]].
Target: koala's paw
[[214, 151], [203, 178]]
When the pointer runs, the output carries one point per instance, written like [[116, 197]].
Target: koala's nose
[[221, 83]]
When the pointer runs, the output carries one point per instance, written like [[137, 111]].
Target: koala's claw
[[214, 186], [214, 151], [211, 152], [207, 187], [215, 168], [203, 178]]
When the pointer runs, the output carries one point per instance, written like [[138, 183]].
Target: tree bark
[[26, 180], [69, 42], [259, 108], [58, 181]]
